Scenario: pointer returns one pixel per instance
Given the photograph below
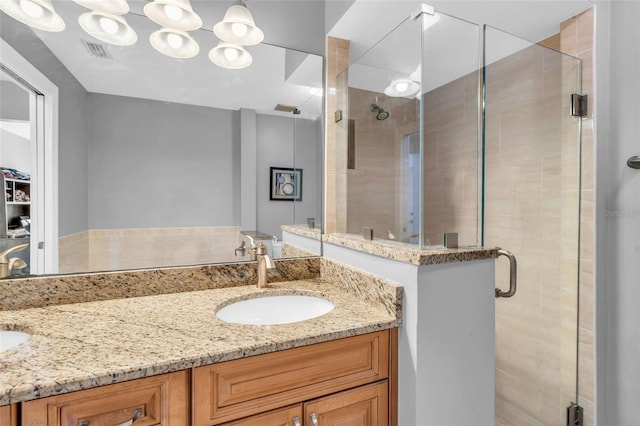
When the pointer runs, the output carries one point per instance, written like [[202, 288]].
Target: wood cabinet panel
[[160, 400], [363, 406], [284, 417], [243, 387], [9, 415]]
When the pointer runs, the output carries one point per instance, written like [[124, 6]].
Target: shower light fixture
[[174, 43], [238, 26], [402, 87], [176, 14], [230, 56], [113, 7], [112, 29], [38, 14]]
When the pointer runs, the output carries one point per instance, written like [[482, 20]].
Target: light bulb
[[31, 9], [238, 29], [173, 12], [174, 40], [231, 54], [108, 25], [402, 86]]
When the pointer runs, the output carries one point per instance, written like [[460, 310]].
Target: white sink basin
[[11, 339], [270, 310]]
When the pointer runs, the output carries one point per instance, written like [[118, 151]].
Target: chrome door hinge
[[579, 105], [574, 415]]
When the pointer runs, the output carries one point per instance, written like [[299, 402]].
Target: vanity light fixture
[[112, 29], [238, 26], [176, 14], [38, 14], [230, 56], [174, 43], [114, 7], [402, 87]]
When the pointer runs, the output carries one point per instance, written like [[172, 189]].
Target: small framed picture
[[286, 184]]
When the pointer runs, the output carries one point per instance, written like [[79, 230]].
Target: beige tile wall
[[337, 61], [117, 249], [375, 189], [451, 120]]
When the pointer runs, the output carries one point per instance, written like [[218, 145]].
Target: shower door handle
[[513, 267]]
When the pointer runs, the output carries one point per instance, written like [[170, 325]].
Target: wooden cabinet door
[[157, 400], [363, 406], [9, 415], [289, 416], [241, 388]]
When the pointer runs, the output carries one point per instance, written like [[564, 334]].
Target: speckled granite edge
[[304, 231], [64, 289], [410, 254], [373, 289], [292, 251]]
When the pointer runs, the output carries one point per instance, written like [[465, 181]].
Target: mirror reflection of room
[[15, 175], [164, 159]]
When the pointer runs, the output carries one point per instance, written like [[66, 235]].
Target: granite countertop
[[84, 345]]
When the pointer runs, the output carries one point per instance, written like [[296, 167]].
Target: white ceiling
[[140, 71]]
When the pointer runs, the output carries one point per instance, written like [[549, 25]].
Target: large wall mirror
[[161, 161]]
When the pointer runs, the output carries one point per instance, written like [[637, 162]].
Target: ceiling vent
[[97, 50]]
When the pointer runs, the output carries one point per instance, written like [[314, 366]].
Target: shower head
[[381, 114]]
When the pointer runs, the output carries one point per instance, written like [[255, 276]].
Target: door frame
[[44, 241]]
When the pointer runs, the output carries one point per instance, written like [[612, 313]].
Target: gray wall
[[275, 148], [617, 213], [15, 101], [72, 134], [162, 164]]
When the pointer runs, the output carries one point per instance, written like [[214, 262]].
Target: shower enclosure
[[450, 127]]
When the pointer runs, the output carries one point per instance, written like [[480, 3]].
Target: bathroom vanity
[[168, 359], [329, 382]]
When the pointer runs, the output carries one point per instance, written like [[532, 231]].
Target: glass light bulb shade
[[173, 12], [38, 14], [218, 56], [174, 40], [229, 30], [237, 28], [174, 43], [113, 7], [176, 14], [402, 87], [31, 9], [100, 25], [108, 25], [231, 53]]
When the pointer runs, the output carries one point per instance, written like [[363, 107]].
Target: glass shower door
[[531, 201]]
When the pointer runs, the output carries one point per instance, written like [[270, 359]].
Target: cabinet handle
[[296, 421], [314, 419], [136, 415]]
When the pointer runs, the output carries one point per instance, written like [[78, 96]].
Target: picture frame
[[285, 184]]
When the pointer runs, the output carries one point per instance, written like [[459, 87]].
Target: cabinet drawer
[[240, 388], [290, 416], [158, 400]]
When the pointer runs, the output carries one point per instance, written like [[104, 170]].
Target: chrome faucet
[[264, 263], [9, 264]]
